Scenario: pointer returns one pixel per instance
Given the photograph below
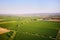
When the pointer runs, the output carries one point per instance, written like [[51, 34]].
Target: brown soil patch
[[3, 30]]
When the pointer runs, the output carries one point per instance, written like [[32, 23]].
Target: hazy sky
[[29, 6]]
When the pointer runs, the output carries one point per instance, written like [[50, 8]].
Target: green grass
[[33, 30], [40, 28]]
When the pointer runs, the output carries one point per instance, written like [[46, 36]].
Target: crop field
[[27, 28]]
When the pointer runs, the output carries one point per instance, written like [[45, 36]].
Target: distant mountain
[[40, 14], [33, 14]]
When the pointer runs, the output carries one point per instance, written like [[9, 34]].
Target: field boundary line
[[7, 22], [58, 35]]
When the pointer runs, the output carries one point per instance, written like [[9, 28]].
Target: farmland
[[28, 28]]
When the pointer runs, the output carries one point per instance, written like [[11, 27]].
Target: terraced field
[[27, 29]]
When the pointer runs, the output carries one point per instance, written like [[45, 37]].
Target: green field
[[29, 29]]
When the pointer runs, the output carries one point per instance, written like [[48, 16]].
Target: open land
[[28, 28]]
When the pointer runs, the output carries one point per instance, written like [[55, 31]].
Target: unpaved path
[[3, 30]]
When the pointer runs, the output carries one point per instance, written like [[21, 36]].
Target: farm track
[[58, 35], [13, 35]]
